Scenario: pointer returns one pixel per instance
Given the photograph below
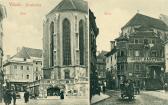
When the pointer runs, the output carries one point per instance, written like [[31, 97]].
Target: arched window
[[52, 44], [66, 42], [81, 41]]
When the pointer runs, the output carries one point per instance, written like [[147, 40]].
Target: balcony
[[145, 59]]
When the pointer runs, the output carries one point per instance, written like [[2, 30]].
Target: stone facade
[[140, 55], [23, 68], [66, 64]]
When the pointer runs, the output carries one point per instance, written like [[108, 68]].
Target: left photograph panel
[[44, 52]]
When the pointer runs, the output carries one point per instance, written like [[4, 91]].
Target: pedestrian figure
[[14, 97], [130, 90], [99, 90], [165, 87], [104, 89], [7, 97], [62, 94], [26, 96]]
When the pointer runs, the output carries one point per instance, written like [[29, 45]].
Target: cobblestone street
[[145, 98]]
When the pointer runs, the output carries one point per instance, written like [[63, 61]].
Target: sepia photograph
[[130, 65], [45, 51], [83, 52]]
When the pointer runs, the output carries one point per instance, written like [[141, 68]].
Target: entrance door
[[53, 91]]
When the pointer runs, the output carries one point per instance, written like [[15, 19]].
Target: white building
[[23, 68], [111, 67]]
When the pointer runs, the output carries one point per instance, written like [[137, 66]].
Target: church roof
[[26, 52], [146, 21], [73, 5]]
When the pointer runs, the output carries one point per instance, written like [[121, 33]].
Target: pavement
[[145, 98], [97, 98], [67, 101]]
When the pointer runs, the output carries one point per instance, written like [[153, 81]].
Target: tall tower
[[65, 45], [2, 16]]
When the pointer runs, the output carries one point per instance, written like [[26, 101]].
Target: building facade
[[140, 54], [65, 45], [111, 67], [23, 69], [93, 33], [3, 15], [101, 67]]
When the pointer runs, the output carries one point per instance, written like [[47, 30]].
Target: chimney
[[18, 49], [112, 44]]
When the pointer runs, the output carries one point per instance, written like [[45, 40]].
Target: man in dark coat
[[7, 97], [62, 94], [26, 96], [14, 97]]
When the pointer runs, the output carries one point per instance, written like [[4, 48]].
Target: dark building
[[141, 51], [101, 67], [93, 32]]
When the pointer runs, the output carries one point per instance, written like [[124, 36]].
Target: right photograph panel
[[128, 52]]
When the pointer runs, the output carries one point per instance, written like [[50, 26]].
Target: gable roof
[[74, 5], [114, 50], [146, 21], [26, 52]]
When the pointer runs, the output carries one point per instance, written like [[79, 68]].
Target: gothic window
[[52, 43], [66, 42], [81, 41]]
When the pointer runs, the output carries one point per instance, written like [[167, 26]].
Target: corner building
[[65, 45], [140, 55]]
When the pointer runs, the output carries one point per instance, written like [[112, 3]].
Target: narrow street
[[143, 99]]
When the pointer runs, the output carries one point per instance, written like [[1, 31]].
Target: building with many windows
[[65, 45], [140, 55], [111, 67], [23, 68], [101, 67]]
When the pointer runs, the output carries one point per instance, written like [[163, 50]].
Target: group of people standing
[[11, 95], [128, 88]]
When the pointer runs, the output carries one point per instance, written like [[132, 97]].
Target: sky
[[24, 24], [111, 15]]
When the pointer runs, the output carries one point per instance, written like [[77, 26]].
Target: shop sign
[[145, 59]]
